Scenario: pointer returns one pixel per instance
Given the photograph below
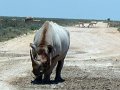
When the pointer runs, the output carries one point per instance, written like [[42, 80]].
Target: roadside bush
[[114, 24], [10, 32], [11, 27], [118, 29], [34, 27]]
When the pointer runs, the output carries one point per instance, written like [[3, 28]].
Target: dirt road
[[92, 63]]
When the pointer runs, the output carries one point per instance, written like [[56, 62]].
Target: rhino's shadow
[[36, 81]]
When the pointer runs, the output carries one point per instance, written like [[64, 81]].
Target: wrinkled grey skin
[[43, 64], [49, 49]]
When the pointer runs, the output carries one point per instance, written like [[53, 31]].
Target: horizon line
[[60, 18]]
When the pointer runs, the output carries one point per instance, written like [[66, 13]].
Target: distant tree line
[[11, 27]]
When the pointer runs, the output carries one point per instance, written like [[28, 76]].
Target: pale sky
[[78, 9]]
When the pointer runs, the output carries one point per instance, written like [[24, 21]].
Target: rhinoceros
[[49, 48]]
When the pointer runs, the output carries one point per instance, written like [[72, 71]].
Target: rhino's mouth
[[36, 75], [33, 75]]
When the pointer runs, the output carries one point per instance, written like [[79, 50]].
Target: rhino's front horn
[[34, 62], [31, 56]]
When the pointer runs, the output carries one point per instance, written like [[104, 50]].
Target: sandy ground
[[92, 63]]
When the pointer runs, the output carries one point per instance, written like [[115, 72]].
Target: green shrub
[[34, 27], [10, 32], [118, 29], [11, 27]]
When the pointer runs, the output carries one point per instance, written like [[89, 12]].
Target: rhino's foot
[[37, 80], [59, 79], [46, 81]]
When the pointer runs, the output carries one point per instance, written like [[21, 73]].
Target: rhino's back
[[55, 36]]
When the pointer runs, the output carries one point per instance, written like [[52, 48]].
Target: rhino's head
[[41, 59]]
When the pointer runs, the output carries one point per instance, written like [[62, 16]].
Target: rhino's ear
[[32, 46], [50, 48]]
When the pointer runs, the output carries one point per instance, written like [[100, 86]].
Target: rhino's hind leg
[[58, 71]]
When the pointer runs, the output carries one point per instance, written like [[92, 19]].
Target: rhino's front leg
[[46, 78], [58, 71], [37, 80], [48, 73]]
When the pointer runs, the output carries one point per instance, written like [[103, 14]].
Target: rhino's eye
[[50, 48]]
